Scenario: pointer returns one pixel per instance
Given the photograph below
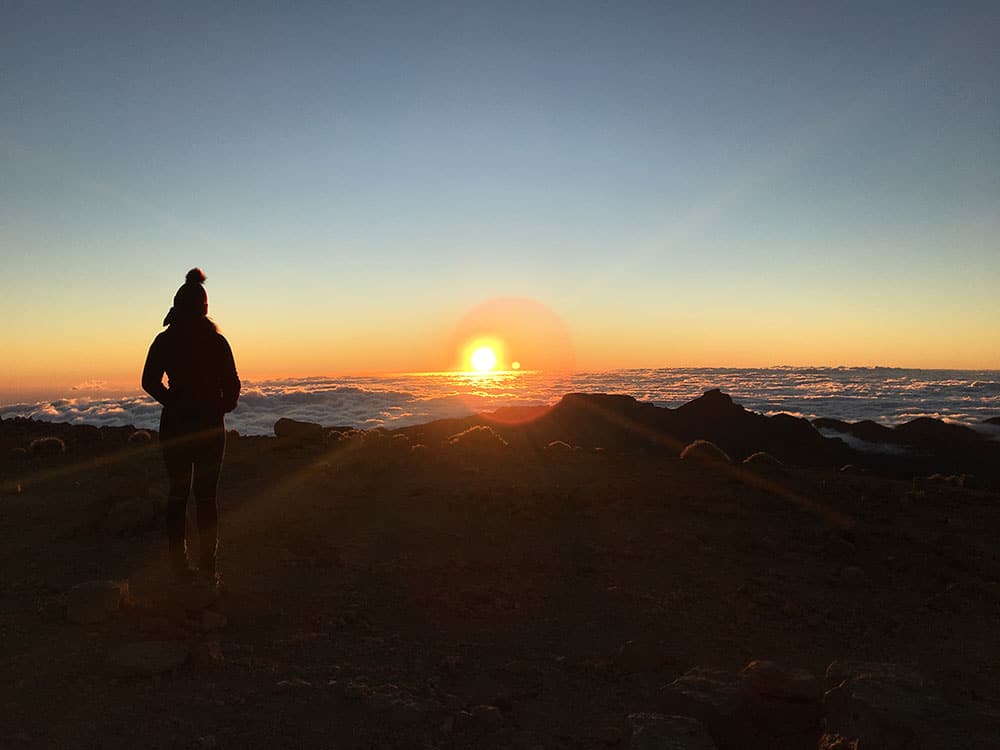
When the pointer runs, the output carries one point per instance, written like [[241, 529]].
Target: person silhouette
[[203, 386]]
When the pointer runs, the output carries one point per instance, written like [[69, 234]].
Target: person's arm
[[152, 373], [230, 380]]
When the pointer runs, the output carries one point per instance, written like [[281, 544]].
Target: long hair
[[187, 326]]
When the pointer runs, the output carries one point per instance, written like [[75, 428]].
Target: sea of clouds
[[886, 395]]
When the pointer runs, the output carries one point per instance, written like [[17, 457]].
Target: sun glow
[[483, 359]]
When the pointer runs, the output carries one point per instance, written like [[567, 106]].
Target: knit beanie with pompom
[[191, 300]]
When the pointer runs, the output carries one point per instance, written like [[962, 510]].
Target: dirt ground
[[448, 599]]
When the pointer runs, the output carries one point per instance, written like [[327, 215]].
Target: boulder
[[478, 438], [706, 452], [712, 696], [47, 446], [923, 430], [763, 462], [664, 732], [558, 447], [773, 680], [780, 700], [95, 601], [882, 706], [147, 658], [305, 432]]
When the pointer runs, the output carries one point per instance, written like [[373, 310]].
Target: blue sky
[[655, 173]]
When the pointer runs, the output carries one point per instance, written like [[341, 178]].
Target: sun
[[483, 359]]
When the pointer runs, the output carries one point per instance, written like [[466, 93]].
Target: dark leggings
[[197, 455], [194, 457]]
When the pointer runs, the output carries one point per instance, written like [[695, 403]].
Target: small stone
[[147, 658], [94, 601], [836, 742]]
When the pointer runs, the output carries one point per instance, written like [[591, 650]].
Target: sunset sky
[[669, 184]]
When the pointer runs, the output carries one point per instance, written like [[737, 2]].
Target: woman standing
[[202, 387]]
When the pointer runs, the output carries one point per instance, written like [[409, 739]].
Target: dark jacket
[[201, 374]]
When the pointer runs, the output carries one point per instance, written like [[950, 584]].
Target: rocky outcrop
[[920, 447], [763, 462], [764, 702], [889, 707], [714, 697], [305, 432], [478, 439]]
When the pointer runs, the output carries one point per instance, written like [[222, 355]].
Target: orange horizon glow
[[59, 354]]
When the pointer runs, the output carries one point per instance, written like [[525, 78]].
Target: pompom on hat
[[191, 300]]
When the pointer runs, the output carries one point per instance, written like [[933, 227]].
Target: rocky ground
[[404, 591]]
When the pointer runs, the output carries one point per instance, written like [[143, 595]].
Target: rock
[[780, 700], [923, 430], [662, 732], [763, 462], [706, 452], [147, 658], [305, 432], [712, 696], [47, 446], [95, 601], [776, 681], [478, 438], [836, 742], [884, 706], [558, 447]]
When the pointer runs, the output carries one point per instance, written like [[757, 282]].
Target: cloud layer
[[886, 395]]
